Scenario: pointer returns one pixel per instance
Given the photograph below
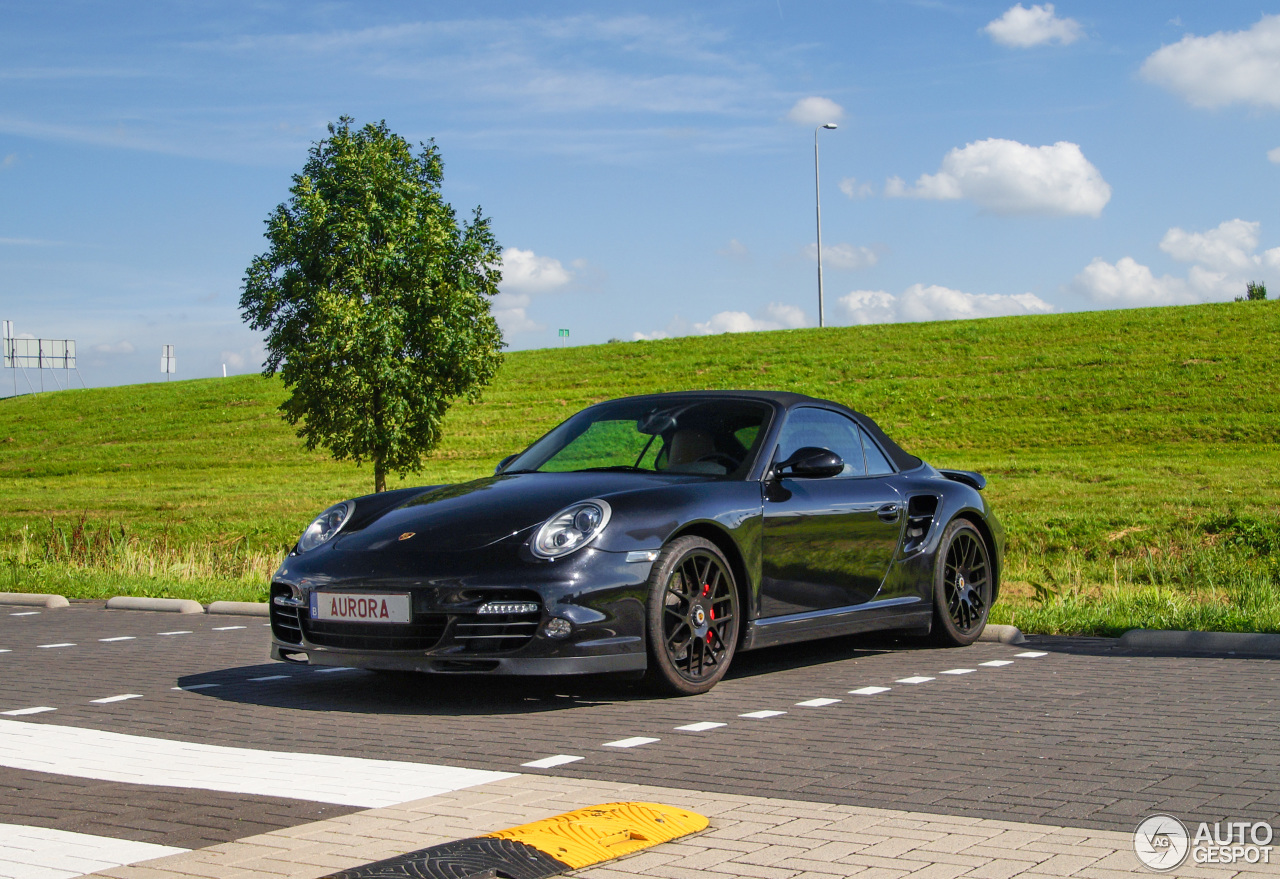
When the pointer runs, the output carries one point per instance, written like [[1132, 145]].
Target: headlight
[[570, 529], [325, 526]]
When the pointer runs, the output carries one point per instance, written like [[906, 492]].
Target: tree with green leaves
[[374, 299]]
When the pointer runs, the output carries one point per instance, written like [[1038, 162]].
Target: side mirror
[[502, 465], [811, 462]]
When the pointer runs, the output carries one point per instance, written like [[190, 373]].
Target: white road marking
[[958, 671], [123, 697], [226, 628], [40, 853], [869, 691], [270, 678], [816, 703], [633, 742], [325, 671], [1030, 654], [996, 663], [197, 686], [179, 632], [914, 679], [761, 715], [63, 644], [118, 638], [701, 726], [26, 613], [5, 650], [107, 756], [19, 712], [548, 762]]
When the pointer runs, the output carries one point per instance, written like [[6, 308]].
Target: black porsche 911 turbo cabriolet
[[654, 535]]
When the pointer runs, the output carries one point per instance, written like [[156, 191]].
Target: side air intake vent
[[283, 610], [920, 512]]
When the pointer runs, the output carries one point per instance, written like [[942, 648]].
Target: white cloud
[[1222, 68], [1007, 177], [1274, 155], [777, 316], [28, 242], [843, 256], [523, 271], [735, 249], [921, 303], [1230, 247], [510, 310], [114, 348], [1222, 261], [9, 161], [524, 274], [815, 111], [1128, 282], [852, 188], [1023, 28], [233, 359]]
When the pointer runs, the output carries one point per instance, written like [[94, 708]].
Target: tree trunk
[[379, 468]]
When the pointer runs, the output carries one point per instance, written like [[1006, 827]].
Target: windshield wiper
[[616, 468]]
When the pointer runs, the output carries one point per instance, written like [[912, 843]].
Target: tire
[[962, 581], [691, 618]]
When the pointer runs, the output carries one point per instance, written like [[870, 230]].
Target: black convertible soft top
[[789, 400]]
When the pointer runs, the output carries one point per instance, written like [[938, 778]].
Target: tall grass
[[1130, 454]]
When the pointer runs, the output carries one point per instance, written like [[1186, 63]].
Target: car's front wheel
[[692, 617], [963, 578]]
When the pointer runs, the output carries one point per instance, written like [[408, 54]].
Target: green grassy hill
[[1132, 455]]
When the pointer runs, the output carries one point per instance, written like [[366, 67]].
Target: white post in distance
[[168, 362]]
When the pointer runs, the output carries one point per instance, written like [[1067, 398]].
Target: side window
[[877, 463], [823, 429]]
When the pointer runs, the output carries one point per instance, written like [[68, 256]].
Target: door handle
[[889, 512]]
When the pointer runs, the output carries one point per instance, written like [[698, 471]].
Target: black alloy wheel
[[692, 617], [963, 578]]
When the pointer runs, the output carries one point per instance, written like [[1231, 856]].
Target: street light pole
[[817, 200]]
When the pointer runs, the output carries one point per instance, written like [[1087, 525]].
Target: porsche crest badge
[[407, 535]]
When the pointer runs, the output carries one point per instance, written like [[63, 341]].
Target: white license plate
[[360, 607]]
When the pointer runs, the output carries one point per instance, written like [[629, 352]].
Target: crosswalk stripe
[[107, 756], [60, 854]]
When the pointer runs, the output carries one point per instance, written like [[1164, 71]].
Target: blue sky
[[649, 167]]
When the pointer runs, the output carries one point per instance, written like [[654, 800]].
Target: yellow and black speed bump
[[544, 848]]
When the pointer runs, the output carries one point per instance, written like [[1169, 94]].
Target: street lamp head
[[831, 126]]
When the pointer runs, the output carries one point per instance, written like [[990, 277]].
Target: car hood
[[475, 514]]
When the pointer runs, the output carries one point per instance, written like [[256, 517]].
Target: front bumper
[[599, 593]]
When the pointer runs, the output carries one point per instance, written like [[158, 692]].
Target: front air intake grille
[[495, 633], [422, 634], [284, 619]]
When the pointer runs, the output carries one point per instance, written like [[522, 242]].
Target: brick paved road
[[1082, 736]]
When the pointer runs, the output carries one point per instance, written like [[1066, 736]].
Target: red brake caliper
[[706, 590]]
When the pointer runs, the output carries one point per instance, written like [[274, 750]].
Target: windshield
[[706, 437]]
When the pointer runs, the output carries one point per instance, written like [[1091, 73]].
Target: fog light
[[509, 607], [557, 628]]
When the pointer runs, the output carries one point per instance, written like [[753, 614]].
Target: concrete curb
[[1240, 643], [31, 599], [1003, 635], [241, 608], [171, 605]]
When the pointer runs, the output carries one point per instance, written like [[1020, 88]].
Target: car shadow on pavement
[[317, 688]]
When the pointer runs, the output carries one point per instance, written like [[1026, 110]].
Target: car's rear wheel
[[692, 617], [963, 579]]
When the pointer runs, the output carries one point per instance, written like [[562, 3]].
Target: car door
[[827, 542]]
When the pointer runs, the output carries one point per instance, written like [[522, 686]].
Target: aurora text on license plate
[[360, 607]]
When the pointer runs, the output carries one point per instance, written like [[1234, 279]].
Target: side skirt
[[891, 613]]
